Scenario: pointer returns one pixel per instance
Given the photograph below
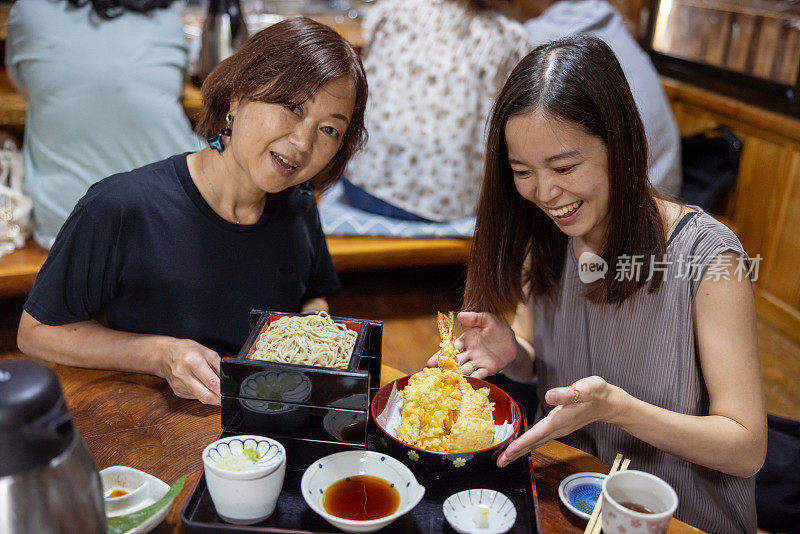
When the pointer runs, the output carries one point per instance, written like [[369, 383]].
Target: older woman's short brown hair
[[285, 64]]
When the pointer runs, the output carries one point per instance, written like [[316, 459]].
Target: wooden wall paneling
[[757, 194], [782, 257], [734, 113], [694, 32], [741, 37], [689, 120], [791, 54], [673, 29], [716, 48], [767, 47], [778, 313]]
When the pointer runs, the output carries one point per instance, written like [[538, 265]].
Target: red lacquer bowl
[[505, 409]]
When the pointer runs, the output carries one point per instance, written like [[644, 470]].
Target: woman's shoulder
[[129, 188], [704, 238]]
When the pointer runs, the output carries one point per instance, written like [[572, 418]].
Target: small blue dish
[[579, 492]]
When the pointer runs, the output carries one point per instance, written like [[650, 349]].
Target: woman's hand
[[191, 370], [586, 401], [488, 346]]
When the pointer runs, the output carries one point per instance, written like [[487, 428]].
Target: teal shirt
[[103, 98]]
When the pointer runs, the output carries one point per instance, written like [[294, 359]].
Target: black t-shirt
[[146, 248]]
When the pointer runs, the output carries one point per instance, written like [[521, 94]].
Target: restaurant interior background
[[731, 62]]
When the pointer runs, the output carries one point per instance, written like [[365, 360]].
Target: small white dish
[[146, 490], [250, 496], [579, 492], [460, 510], [326, 471]]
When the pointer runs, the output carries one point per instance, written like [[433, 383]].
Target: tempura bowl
[[505, 409], [330, 469]]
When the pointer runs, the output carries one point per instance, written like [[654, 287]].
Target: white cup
[[245, 497], [643, 489]]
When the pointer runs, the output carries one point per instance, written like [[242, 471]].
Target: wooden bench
[[18, 269]]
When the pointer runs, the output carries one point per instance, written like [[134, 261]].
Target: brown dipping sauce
[[361, 497], [637, 507], [117, 493]]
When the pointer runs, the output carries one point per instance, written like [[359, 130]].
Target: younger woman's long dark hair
[[577, 79], [109, 9]]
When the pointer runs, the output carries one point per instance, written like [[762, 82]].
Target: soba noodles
[[308, 340]]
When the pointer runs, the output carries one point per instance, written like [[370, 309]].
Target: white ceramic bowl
[[143, 489], [132, 481], [460, 508], [579, 492], [326, 471], [245, 497]]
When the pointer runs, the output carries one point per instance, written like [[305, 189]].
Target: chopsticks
[[595, 522]]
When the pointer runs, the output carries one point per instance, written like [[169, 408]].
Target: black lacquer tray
[[293, 514]]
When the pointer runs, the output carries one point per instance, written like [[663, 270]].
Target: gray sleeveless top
[[646, 347]]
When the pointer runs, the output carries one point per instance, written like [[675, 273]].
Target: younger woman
[[636, 313], [177, 253]]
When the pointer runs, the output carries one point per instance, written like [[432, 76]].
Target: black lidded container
[[35, 426], [304, 402]]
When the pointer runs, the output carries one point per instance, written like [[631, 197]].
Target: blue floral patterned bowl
[[326, 471], [579, 492]]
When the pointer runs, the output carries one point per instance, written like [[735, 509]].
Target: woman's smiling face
[[278, 146], [562, 169]]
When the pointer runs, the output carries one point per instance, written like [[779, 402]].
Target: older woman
[[177, 253], [635, 312]]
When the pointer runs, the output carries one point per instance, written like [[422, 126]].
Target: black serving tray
[[292, 514]]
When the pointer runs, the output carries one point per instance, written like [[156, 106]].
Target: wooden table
[[135, 420]]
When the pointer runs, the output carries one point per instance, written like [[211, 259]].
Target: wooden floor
[[407, 301]]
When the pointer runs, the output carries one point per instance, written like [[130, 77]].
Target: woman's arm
[[191, 369], [731, 438]]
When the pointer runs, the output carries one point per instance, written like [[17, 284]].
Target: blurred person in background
[[103, 79], [556, 19], [434, 67]]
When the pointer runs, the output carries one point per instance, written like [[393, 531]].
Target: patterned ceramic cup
[[644, 490], [247, 496]]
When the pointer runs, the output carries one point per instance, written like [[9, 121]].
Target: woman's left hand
[[586, 401]]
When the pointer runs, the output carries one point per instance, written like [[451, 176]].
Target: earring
[[307, 189], [216, 141]]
